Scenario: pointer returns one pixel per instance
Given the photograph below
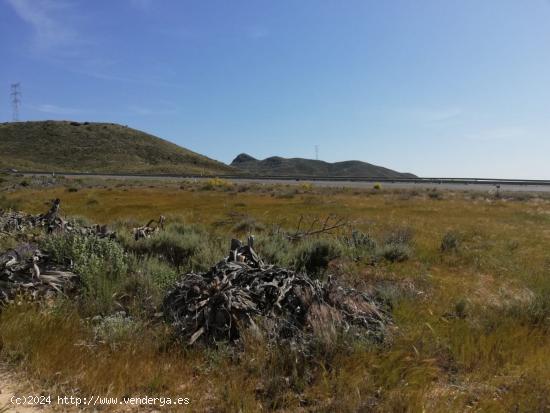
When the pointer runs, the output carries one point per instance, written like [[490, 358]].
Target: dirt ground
[[9, 388]]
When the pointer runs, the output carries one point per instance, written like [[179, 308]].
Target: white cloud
[[43, 16], [58, 110], [432, 115]]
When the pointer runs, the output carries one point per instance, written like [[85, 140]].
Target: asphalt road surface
[[426, 183], [412, 185]]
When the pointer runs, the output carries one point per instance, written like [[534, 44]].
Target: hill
[[64, 146], [309, 167]]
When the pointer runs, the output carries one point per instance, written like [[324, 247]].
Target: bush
[[450, 242], [178, 249], [377, 187], [314, 256], [100, 263], [159, 272], [359, 245], [460, 309], [360, 239], [274, 249], [435, 194], [217, 183], [186, 247], [116, 329], [395, 252], [403, 235], [538, 310], [397, 245], [247, 225]]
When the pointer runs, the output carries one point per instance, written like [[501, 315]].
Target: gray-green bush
[[274, 249], [397, 245], [313, 256], [450, 242], [100, 263], [186, 247]]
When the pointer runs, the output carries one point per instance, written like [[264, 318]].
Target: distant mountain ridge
[[65, 146], [279, 166]]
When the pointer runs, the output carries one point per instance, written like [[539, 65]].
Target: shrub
[[178, 249], [217, 183], [24, 183], [361, 239], [314, 256], [99, 262], [72, 189], [274, 249], [450, 242], [359, 245], [186, 247], [158, 271], [397, 245], [248, 224], [538, 309], [402, 235], [115, 329], [435, 194], [394, 252], [460, 309], [377, 187]]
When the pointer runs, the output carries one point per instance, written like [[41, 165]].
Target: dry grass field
[[469, 289]]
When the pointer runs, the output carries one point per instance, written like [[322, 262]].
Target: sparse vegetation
[[471, 304], [217, 183], [248, 225], [450, 242], [6, 203], [63, 146], [313, 256], [101, 263]]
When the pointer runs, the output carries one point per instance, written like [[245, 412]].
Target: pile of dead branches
[[149, 229], [15, 222], [242, 292], [26, 271]]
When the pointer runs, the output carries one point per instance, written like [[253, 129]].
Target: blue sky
[[434, 87]]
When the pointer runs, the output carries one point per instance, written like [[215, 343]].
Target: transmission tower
[[317, 152], [15, 100]]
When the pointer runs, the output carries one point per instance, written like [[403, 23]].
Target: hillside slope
[[64, 146], [309, 167]]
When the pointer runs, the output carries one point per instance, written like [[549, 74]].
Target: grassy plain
[[472, 314]]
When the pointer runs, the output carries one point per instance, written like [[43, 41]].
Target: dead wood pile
[[16, 222], [25, 270], [149, 229], [241, 292]]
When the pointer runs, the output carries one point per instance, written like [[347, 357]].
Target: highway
[[460, 184]]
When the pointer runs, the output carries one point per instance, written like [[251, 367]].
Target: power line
[[15, 100]]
